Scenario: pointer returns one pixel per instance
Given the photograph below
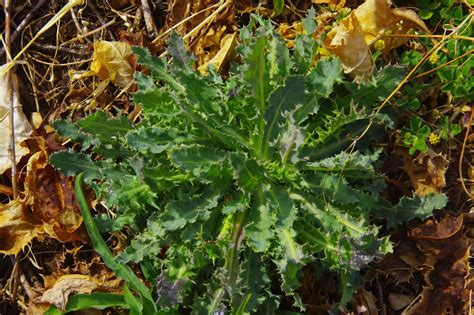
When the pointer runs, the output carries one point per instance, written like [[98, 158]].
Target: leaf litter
[[427, 173]]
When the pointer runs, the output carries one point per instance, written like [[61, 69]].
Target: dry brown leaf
[[399, 301], [52, 199], [111, 61], [366, 302], [371, 21], [223, 55], [446, 267], [23, 128], [64, 286], [379, 21], [427, 172], [347, 42], [17, 227]]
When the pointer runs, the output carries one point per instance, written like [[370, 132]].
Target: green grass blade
[[97, 300], [122, 271]]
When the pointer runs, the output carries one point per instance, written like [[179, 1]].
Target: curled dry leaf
[[380, 21], [18, 227], [23, 128], [111, 61], [64, 286], [371, 21], [446, 268], [226, 52], [427, 172], [52, 199], [347, 41], [399, 301]]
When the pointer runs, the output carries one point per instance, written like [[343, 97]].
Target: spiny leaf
[[410, 208], [179, 213], [282, 102], [72, 163]]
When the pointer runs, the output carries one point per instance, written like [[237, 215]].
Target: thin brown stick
[[7, 9], [148, 17], [10, 97], [23, 24], [444, 64], [100, 18], [461, 156], [433, 36]]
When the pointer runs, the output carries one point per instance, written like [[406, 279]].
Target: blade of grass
[[122, 271], [97, 300]]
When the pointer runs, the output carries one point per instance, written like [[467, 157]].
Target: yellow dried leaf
[[18, 227], [373, 21], [347, 42], [223, 55], [23, 128], [111, 61], [379, 21]]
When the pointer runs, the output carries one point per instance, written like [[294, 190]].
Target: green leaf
[[283, 101], [253, 279], [133, 302], [102, 249], [104, 128], [72, 163], [196, 159], [153, 140], [157, 66], [179, 213], [97, 300], [309, 22], [410, 208], [259, 230], [177, 50], [278, 5], [68, 129]]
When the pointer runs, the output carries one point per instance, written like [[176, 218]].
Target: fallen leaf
[[23, 128], [426, 172], [51, 197], [379, 21], [223, 55], [366, 302], [434, 230], [347, 41], [371, 21], [399, 301], [111, 61], [446, 267], [18, 227], [64, 286]]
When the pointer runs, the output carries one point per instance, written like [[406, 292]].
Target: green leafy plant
[[232, 186], [416, 136], [447, 130]]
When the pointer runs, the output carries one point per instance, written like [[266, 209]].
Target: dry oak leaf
[[111, 61], [64, 286], [23, 128], [347, 41], [18, 227]]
